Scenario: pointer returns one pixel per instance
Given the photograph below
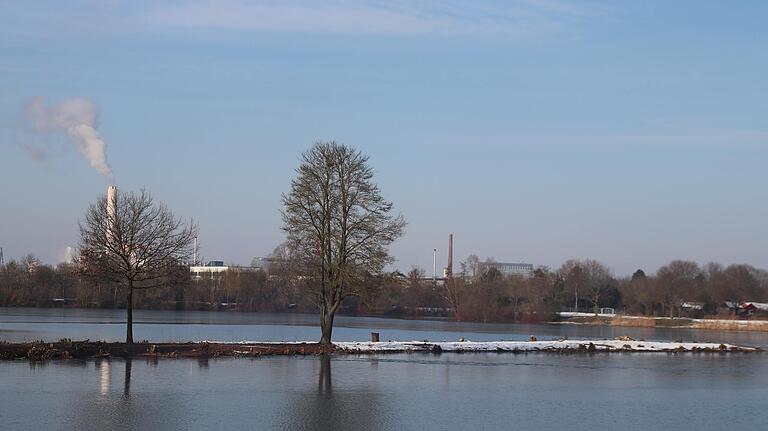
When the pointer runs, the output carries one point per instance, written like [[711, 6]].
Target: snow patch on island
[[552, 346], [540, 346]]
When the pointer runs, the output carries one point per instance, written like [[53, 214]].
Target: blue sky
[[629, 132]]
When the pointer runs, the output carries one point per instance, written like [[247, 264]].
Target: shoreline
[[67, 349], [663, 322]]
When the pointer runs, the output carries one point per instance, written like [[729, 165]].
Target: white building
[[217, 268]]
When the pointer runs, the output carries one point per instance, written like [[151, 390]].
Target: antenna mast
[[434, 265]]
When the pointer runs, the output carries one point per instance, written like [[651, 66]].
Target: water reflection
[[104, 381], [484, 391], [351, 408], [111, 406], [324, 385], [127, 381], [203, 363]]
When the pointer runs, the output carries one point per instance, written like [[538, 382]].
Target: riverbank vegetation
[[679, 289]]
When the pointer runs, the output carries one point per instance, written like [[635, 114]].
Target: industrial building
[[217, 268], [507, 268]]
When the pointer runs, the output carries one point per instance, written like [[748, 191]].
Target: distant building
[[750, 308], [756, 306], [747, 309], [217, 268], [507, 268]]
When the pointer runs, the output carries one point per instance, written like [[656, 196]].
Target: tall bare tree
[[135, 243], [675, 283], [338, 222]]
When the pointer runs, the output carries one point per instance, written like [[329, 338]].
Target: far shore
[[562, 318], [663, 322], [68, 349]]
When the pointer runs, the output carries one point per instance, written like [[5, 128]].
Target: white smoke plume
[[78, 119]]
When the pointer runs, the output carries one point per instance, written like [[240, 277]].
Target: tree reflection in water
[[347, 406], [127, 382], [324, 382], [203, 363], [107, 407]]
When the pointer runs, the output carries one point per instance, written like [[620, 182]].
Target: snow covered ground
[[538, 346], [552, 346], [580, 314]]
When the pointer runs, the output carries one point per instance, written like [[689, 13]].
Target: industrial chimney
[[111, 210], [449, 268]]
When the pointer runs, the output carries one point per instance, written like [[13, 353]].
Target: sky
[[629, 132]]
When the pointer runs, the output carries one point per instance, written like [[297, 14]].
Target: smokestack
[[449, 268], [111, 209]]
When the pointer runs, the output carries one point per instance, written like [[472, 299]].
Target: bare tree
[[415, 275], [135, 243], [574, 279], [736, 284], [472, 264], [676, 283], [453, 293], [588, 278], [515, 292], [638, 293], [30, 263], [599, 282], [338, 222]]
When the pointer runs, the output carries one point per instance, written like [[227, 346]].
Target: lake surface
[[408, 391]]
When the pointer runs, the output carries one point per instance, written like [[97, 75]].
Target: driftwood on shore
[[66, 349]]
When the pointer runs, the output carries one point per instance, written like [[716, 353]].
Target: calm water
[[416, 391]]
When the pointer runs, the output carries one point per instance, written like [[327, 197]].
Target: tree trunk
[[129, 309], [326, 326]]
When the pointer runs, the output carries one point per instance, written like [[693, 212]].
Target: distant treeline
[[680, 288]]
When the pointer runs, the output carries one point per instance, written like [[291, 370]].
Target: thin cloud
[[388, 18], [520, 18]]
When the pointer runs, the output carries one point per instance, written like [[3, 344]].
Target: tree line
[[679, 289]]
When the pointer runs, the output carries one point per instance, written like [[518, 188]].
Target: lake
[[408, 391]]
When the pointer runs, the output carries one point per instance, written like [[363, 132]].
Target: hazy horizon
[[631, 133]]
